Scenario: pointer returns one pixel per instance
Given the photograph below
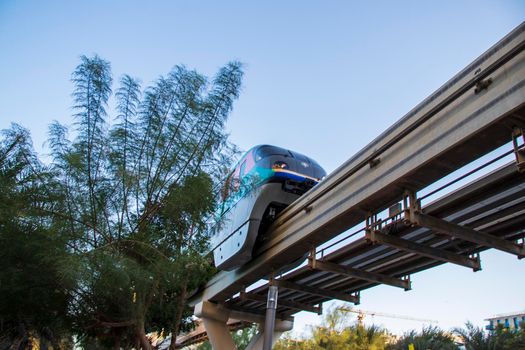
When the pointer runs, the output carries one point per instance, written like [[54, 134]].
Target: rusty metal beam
[[519, 150], [357, 273], [416, 248], [329, 294], [287, 303], [466, 234]]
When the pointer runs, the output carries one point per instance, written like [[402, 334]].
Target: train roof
[[281, 151]]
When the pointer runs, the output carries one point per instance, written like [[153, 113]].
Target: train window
[[314, 163], [303, 160], [266, 151], [243, 169]]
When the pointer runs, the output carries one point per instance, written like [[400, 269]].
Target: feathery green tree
[[33, 297], [136, 194]]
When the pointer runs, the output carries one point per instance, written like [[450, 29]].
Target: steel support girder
[[287, 303], [420, 249], [465, 233], [269, 323], [520, 160], [519, 150], [329, 294], [360, 274]]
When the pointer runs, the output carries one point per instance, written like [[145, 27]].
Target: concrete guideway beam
[[420, 249], [215, 318]]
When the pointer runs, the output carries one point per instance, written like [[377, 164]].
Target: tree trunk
[[21, 341], [141, 335], [116, 345], [178, 316]]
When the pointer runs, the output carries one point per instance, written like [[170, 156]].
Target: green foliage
[[33, 298], [430, 337], [338, 332], [109, 241], [136, 193], [475, 338], [241, 338]]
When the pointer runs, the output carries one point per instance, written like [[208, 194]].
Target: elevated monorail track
[[476, 112], [496, 202]]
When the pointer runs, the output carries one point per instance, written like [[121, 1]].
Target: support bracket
[[415, 216], [518, 142]]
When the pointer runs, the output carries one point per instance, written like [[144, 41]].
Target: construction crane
[[362, 313]]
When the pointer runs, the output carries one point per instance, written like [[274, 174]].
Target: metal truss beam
[[360, 274], [287, 303], [465, 233], [419, 249], [329, 294]]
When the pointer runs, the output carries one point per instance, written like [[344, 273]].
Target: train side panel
[[235, 240], [265, 180]]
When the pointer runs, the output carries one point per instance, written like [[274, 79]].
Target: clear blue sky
[[322, 77]]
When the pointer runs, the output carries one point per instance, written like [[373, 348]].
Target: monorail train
[[264, 182]]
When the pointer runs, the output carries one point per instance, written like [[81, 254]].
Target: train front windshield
[[267, 151], [280, 159]]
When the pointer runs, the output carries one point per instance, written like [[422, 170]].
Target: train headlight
[[279, 165]]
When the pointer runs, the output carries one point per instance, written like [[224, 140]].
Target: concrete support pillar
[[215, 320], [280, 327], [218, 334]]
